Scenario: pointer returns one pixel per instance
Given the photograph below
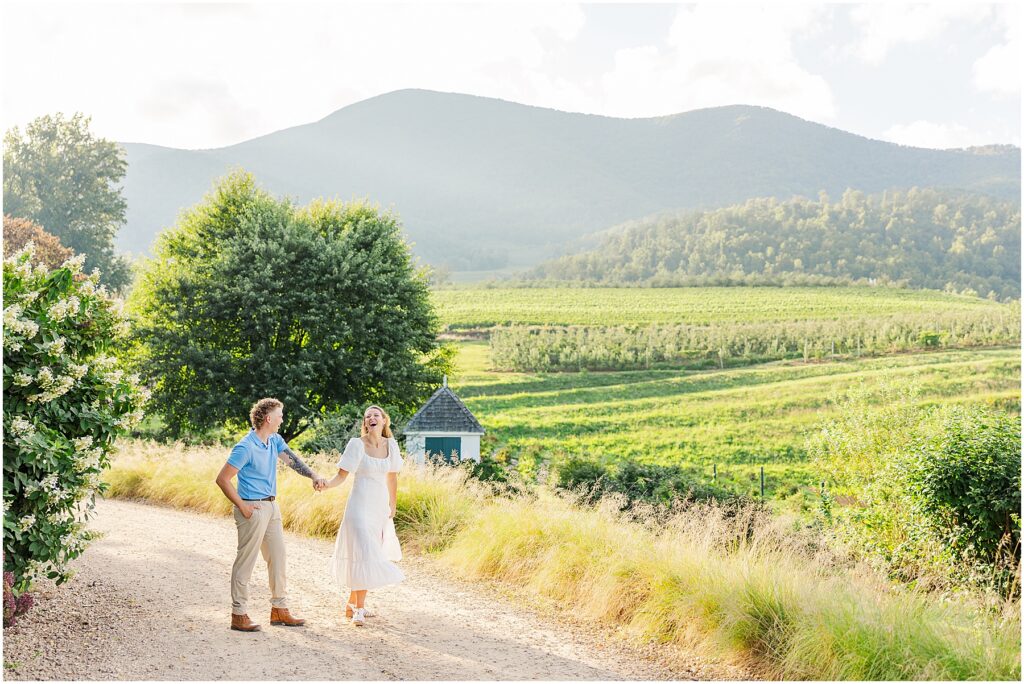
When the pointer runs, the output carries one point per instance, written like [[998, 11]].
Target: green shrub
[[65, 401], [966, 482], [635, 482], [930, 493], [494, 471], [586, 478]]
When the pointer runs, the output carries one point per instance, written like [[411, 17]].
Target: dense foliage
[[930, 493], [920, 238], [598, 348], [965, 481], [636, 482], [47, 248], [65, 401], [249, 296], [63, 178]]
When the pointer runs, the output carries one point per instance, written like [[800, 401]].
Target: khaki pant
[[262, 532]]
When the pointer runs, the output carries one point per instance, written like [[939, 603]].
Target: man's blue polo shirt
[[257, 465]]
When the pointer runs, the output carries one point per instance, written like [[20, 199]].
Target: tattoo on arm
[[295, 463]]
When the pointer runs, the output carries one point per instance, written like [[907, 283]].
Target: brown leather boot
[[242, 623], [281, 616]]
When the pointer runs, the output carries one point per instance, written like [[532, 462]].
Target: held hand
[[319, 484]]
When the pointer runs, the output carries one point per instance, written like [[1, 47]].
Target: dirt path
[[150, 601]]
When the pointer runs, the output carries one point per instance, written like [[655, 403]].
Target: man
[[257, 514]]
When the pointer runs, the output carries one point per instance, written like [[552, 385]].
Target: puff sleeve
[[352, 457], [394, 456]]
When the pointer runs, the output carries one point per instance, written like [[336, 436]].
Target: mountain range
[[483, 184]]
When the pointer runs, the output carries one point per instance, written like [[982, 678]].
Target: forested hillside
[[921, 238]]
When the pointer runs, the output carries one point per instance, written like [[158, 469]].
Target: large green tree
[[59, 175], [249, 296]]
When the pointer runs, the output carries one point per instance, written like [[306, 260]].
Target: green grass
[[482, 307], [738, 418], [744, 587]]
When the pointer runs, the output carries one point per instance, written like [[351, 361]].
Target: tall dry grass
[[734, 584]]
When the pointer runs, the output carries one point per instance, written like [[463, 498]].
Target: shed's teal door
[[445, 448]]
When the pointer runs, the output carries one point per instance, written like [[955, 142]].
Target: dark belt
[[267, 498]]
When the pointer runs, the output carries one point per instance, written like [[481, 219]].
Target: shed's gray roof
[[444, 412]]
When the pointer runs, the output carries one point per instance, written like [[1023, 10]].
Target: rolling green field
[[481, 307], [738, 418]]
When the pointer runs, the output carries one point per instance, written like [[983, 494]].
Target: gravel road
[[150, 601]]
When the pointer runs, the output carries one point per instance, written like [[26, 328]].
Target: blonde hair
[[261, 409], [386, 432]]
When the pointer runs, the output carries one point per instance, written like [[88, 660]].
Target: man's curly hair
[[261, 409]]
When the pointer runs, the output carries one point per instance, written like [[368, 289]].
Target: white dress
[[366, 543]]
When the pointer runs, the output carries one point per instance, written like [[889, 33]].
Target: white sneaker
[[350, 610], [359, 617]]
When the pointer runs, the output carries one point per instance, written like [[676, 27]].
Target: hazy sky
[[205, 75]]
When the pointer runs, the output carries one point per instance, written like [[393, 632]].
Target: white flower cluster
[[73, 541], [53, 386], [104, 362], [23, 430], [25, 523], [63, 308], [113, 376], [56, 347], [75, 263], [89, 486], [87, 457], [51, 487], [14, 324], [78, 370], [22, 260], [141, 390], [130, 420], [22, 379], [49, 483]]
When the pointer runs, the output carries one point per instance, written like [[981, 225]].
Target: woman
[[367, 544]]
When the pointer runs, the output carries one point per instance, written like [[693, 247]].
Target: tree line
[[920, 238]]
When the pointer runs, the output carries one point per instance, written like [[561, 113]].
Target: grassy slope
[[743, 418]]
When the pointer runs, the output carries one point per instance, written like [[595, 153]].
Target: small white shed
[[443, 427]]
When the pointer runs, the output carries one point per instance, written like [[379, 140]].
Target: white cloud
[[205, 75], [719, 55], [998, 71], [936, 135], [884, 26], [198, 75]]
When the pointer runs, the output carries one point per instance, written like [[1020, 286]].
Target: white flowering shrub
[[65, 402]]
